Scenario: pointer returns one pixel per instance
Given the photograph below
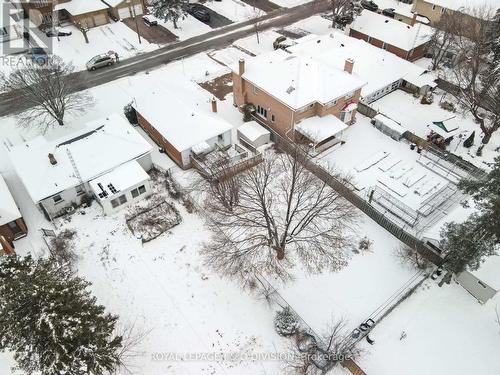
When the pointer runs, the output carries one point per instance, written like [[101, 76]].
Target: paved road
[[265, 5], [13, 102]]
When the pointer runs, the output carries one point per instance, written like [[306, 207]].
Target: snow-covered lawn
[[316, 25], [447, 332], [415, 117], [262, 44], [235, 10], [186, 28]]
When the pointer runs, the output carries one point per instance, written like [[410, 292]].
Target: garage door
[[124, 13], [100, 19], [138, 9]]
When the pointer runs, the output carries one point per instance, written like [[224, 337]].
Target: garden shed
[[388, 126]]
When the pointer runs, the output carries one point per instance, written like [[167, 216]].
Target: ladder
[[75, 169]]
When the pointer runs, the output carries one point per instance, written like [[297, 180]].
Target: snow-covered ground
[[415, 117], [186, 28], [289, 3], [447, 332], [235, 10]]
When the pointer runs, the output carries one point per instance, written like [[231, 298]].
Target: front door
[[15, 228], [345, 117]]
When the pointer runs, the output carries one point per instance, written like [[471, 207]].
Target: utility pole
[[131, 3]]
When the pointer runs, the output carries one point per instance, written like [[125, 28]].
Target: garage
[[124, 13], [100, 19]]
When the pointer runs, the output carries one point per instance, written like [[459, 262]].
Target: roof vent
[[290, 90], [318, 41], [52, 159], [386, 21]]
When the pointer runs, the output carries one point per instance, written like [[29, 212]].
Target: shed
[[483, 283], [388, 126], [253, 134]]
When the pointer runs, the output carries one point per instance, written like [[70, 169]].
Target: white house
[[383, 71], [57, 173]]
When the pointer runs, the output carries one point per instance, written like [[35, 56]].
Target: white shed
[[254, 134]]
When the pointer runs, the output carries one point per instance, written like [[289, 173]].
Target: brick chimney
[[348, 65], [214, 105], [52, 159], [241, 67], [413, 19]]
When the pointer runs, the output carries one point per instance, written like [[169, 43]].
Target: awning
[[444, 130], [317, 129]]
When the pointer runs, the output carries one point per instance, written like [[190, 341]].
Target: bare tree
[[443, 39], [283, 215], [313, 356], [344, 12], [411, 257], [477, 79], [48, 89]]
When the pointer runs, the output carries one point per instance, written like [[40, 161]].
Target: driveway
[[153, 34], [216, 20]]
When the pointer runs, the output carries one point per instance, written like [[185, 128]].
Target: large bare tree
[[48, 90], [475, 75], [282, 215], [443, 39]]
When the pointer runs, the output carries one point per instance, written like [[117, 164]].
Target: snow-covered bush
[[286, 322]]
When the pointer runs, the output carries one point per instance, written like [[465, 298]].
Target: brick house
[[287, 90], [434, 9], [181, 130], [12, 225], [408, 42]]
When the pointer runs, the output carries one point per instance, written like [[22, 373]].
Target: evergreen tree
[[486, 194], [465, 245], [169, 10], [52, 323]]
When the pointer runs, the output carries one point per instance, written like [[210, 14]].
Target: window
[[57, 198], [369, 39], [482, 284], [255, 90], [79, 190], [115, 203], [433, 6], [262, 111], [138, 191], [442, 10], [384, 45], [220, 137], [273, 119], [122, 199]]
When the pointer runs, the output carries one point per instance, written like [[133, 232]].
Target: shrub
[[286, 322], [470, 141]]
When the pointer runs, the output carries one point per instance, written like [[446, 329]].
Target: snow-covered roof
[[96, 149], [390, 123], [201, 148], [252, 130], [376, 66], [77, 7], [298, 81], [466, 5], [119, 179], [182, 125], [489, 271], [113, 3], [318, 129], [8, 208], [446, 128], [392, 31]]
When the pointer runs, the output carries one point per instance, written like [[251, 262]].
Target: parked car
[[199, 13], [389, 12], [100, 61], [38, 55], [150, 20], [57, 32], [370, 5]]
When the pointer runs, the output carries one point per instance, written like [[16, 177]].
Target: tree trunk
[[280, 253], [60, 122], [175, 23], [487, 137]]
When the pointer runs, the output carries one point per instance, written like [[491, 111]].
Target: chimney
[[214, 105], [414, 19], [348, 65], [52, 159], [5, 245], [241, 66]]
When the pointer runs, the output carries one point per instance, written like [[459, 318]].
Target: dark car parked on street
[[57, 33], [370, 5]]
